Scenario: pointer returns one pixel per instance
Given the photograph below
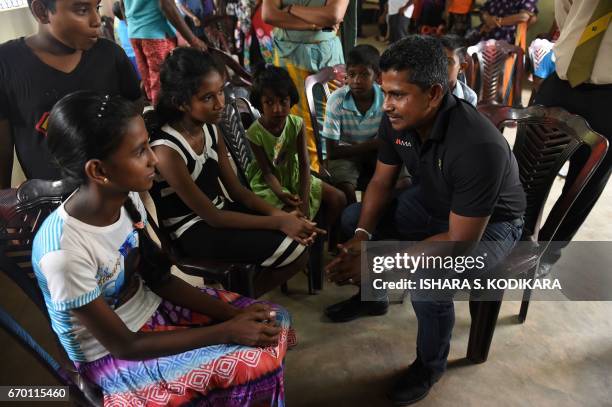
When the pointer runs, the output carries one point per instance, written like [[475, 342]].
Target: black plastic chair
[[489, 63], [546, 138], [22, 211]]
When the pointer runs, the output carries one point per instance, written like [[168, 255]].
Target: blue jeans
[[407, 219]]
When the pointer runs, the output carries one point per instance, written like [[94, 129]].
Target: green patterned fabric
[[282, 154]]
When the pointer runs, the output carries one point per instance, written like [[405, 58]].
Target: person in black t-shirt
[[64, 56], [466, 188]]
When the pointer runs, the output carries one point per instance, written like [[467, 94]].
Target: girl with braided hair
[[143, 335]]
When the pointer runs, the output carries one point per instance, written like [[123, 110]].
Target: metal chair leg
[[315, 267], [526, 297], [524, 306]]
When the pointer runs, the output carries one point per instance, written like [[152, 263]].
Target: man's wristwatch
[[368, 234]]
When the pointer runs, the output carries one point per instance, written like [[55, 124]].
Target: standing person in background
[[500, 18], [195, 11], [258, 45], [243, 11], [151, 28], [121, 33], [457, 16], [400, 12], [360, 18], [305, 41], [582, 84], [65, 55], [349, 28], [383, 16]]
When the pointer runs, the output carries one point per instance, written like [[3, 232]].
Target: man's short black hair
[[49, 4], [456, 44], [422, 56], [366, 55]]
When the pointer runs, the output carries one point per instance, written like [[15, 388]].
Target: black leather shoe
[[414, 385], [354, 308]]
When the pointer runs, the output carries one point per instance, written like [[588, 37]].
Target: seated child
[[457, 54], [352, 117], [281, 172], [129, 326], [194, 170]]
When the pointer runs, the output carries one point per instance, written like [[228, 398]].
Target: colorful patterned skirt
[[220, 375]]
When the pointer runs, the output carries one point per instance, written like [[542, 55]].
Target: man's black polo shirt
[[465, 166]]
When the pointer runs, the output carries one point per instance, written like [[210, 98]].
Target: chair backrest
[[22, 211], [500, 68], [546, 138], [248, 113], [333, 76], [470, 75], [234, 135]]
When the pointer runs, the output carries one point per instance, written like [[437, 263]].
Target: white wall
[[16, 23]]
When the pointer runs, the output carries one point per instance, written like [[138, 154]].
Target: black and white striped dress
[[195, 237]]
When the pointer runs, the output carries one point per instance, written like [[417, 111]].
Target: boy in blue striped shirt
[[352, 118]]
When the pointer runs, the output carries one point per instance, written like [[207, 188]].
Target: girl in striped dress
[[199, 199], [145, 337]]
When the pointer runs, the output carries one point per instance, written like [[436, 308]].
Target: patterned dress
[[503, 8], [263, 33]]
